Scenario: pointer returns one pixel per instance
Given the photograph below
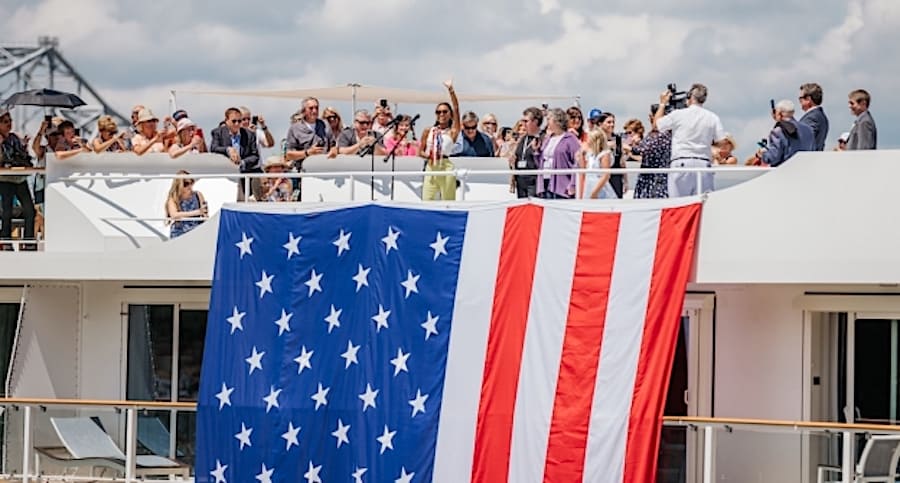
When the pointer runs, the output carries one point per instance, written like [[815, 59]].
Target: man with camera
[[694, 132], [14, 154], [787, 137]]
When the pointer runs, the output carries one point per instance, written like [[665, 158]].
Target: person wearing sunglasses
[[333, 122], [185, 208], [440, 142], [359, 137], [475, 143], [239, 145], [14, 154]]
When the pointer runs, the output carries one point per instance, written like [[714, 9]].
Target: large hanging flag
[[497, 343]]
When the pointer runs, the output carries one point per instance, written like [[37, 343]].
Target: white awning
[[356, 92]]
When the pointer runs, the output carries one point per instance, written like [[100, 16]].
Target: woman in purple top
[[558, 151]]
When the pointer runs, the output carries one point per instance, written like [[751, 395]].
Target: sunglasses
[[236, 121], [245, 119], [490, 123], [441, 111], [364, 123], [187, 183], [331, 118], [470, 128]]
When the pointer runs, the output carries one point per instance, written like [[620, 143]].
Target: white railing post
[[130, 443], [26, 447], [462, 183], [352, 188], [848, 461], [708, 453], [699, 182], [246, 185]]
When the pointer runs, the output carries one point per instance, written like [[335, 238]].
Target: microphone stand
[[393, 154], [370, 151]]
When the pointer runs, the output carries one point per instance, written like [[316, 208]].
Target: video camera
[[678, 100]]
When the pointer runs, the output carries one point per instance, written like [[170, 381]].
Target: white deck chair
[[85, 444], [877, 463]]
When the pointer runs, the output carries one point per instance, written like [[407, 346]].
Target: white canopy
[[357, 92]]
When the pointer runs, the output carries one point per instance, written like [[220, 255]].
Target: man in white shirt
[[694, 132]]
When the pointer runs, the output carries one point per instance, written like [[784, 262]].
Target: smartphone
[[383, 102], [254, 120], [77, 132], [772, 104], [48, 119]]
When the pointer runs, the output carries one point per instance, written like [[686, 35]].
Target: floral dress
[[180, 227], [656, 152]]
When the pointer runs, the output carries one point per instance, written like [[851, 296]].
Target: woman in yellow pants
[[441, 142]]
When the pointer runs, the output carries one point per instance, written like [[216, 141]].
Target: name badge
[[521, 164]]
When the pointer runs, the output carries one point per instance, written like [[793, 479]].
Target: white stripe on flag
[[544, 335], [468, 344], [627, 307]]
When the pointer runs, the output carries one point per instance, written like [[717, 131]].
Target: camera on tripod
[[678, 100]]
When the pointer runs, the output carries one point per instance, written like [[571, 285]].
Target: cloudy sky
[[617, 55]]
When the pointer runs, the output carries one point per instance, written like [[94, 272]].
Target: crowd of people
[[678, 133]]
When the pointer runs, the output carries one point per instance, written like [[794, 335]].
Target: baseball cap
[[845, 136], [179, 115], [595, 114]]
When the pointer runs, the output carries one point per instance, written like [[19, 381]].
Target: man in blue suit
[[814, 116], [787, 137]]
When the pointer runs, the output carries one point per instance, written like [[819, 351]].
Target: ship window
[[9, 318], [165, 349]]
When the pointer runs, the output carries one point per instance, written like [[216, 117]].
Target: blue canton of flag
[[327, 345]]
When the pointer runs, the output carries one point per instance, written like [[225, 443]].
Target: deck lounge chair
[[878, 462], [86, 445]]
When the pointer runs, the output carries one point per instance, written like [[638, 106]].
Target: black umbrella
[[45, 98]]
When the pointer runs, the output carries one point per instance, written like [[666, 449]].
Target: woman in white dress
[[597, 155]]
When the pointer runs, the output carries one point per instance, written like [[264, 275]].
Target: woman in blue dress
[[185, 208]]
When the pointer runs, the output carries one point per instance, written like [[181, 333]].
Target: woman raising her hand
[[439, 142]]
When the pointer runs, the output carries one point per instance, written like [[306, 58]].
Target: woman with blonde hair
[[182, 203], [597, 155], [186, 141], [333, 122], [108, 139]]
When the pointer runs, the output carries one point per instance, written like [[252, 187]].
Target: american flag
[[491, 343]]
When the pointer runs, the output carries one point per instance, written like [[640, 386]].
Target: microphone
[[394, 121], [412, 122]]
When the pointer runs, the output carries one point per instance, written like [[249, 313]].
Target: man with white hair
[[787, 137], [694, 132]]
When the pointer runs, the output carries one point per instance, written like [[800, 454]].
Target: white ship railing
[[707, 429]]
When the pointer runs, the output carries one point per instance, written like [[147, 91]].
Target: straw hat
[[183, 124], [730, 139], [274, 161], [146, 115]]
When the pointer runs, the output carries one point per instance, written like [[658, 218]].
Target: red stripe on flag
[[671, 268], [509, 315], [581, 347]]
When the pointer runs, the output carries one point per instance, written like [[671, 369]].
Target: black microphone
[[412, 122], [394, 121]]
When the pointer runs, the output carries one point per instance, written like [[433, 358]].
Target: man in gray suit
[[863, 135], [814, 117]]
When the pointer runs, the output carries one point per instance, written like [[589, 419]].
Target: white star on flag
[[430, 325], [321, 396], [410, 283], [244, 436], [368, 397], [399, 362], [350, 354], [440, 245], [303, 359], [341, 433], [291, 436], [312, 474], [265, 476], [357, 475], [418, 404], [390, 241], [404, 476], [292, 246], [272, 399], [381, 320], [314, 282], [342, 243], [334, 318], [362, 277], [386, 439], [255, 360], [224, 396], [235, 320], [219, 472], [282, 323], [244, 245], [265, 284]]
